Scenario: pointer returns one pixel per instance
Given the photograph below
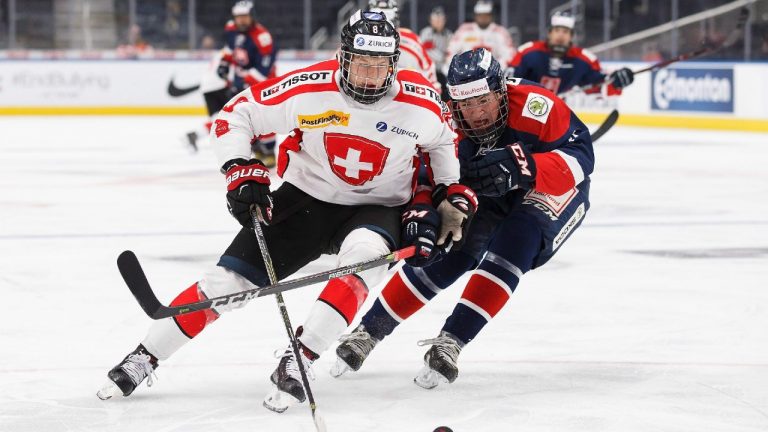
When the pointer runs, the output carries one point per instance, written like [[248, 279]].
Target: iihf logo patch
[[381, 126]]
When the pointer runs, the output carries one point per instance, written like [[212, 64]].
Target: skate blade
[[339, 368], [429, 379], [108, 391], [279, 401]]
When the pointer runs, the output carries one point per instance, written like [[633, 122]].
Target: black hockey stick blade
[[137, 282], [607, 124]]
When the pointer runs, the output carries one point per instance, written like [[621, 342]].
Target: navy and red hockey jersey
[[578, 67], [252, 54]]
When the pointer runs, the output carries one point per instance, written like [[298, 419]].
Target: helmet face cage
[[488, 134], [479, 96], [367, 72]]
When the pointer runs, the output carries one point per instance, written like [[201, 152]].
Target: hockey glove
[[248, 186], [420, 222], [223, 70], [500, 171], [456, 205], [621, 78]]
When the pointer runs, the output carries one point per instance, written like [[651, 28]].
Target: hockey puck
[[443, 429]]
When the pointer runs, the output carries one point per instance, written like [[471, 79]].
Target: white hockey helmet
[[388, 8], [562, 19]]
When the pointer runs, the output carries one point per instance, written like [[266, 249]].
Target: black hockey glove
[[456, 205], [622, 77], [420, 222], [248, 186], [223, 70], [500, 171]]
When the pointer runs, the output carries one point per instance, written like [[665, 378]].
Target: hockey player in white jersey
[[482, 33], [413, 55], [346, 188]]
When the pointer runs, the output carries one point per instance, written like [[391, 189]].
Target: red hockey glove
[[248, 186]]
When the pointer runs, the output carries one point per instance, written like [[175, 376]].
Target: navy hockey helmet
[[370, 48], [478, 93]]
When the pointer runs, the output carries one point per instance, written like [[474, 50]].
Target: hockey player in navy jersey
[[248, 58], [529, 158], [559, 65]]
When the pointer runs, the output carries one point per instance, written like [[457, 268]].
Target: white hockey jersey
[[494, 37], [351, 153], [413, 56]]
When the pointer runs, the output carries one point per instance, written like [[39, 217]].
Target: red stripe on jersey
[[192, 324], [486, 294], [400, 298], [422, 63], [578, 52], [254, 34], [427, 97], [558, 120], [230, 26], [532, 47], [293, 143], [273, 84], [345, 294], [553, 176]]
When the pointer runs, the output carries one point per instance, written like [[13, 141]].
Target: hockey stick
[[606, 125], [257, 229], [137, 282], [706, 49]]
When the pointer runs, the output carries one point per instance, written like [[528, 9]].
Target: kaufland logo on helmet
[[469, 90]]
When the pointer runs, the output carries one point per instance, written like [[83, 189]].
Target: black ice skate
[[128, 374], [353, 350], [288, 388], [192, 141], [439, 361]]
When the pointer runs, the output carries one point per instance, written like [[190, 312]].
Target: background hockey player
[[559, 65], [434, 38], [248, 58], [346, 188], [483, 33], [529, 158], [413, 54]]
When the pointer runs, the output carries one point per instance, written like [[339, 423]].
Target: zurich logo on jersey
[[359, 41], [381, 127]]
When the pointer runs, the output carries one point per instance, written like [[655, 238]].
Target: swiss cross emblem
[[421, 91], [354, 159]]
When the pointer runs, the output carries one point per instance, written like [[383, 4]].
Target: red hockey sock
[[193, 323], [345, 295]]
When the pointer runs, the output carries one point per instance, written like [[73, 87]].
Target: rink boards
[[697, 95]]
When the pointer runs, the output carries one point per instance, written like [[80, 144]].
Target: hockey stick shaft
[[137, 282], [606, 125], [258, 230], [732, 38]]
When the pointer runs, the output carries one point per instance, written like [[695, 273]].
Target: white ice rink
[[653, 317]]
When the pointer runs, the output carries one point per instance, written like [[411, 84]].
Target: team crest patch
[[222, 127], [328, 118], [354, 159], [538, 107]]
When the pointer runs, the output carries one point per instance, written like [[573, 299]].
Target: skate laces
[[292, 366], [139, 366], [359, 340], [444, 345]]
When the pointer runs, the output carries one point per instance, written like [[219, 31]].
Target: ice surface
[[653, 317]]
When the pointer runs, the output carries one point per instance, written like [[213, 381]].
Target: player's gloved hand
[[248, 186], [420, 222], [500, 171], [223, 70], [621, 78], [456, 205]]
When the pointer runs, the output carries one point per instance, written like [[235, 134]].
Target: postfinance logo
[[328, 118]]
